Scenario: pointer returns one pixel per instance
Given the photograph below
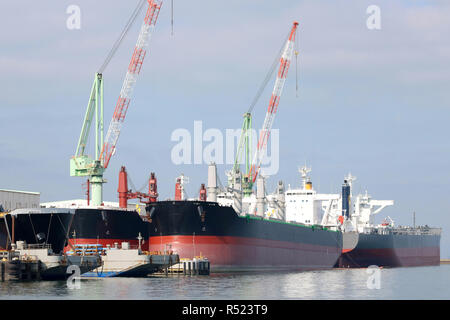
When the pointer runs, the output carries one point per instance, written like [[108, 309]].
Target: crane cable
[[296, 65], [122, 36], [171, 17], [268, 77], [133, 187], [265, 82]]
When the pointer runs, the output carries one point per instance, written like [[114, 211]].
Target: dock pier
[[14, 269], [198, 266], [38, 262], [129, 261]]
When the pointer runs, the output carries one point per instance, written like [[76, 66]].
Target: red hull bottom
[[398, 257], [249, 254]]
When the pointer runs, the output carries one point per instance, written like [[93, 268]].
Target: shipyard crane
[[82, 164], [252, 171], [285, 61]]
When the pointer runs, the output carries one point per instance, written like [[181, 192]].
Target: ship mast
[[305, 178]]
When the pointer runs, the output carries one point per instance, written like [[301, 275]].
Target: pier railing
[[37, 246], [422, 230]]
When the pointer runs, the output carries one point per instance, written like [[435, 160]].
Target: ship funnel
[[202, 193], [281, 199], [346, 199], [123, 188], [237, 192], [180, 192], [260, 195], [212, 182], [152, 188]]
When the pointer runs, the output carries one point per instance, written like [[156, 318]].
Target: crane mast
[[129, 82], [82, 164], [285, 61]]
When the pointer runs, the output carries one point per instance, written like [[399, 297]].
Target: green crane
[[81, 164], [243, 151]]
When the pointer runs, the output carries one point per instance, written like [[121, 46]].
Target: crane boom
[[129, 82], [82, 164], [285, 61]]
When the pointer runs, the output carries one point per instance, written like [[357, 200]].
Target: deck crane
[[285, 61], [252, 171], [82, 164]]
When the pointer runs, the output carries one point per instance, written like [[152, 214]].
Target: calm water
[[398, 283]]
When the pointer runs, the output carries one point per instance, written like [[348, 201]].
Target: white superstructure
[[305, 205], [365, 209]]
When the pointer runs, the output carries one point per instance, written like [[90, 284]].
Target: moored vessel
[[384, 244], [241, 234], [235, 242], [65, 227], [395, 247]]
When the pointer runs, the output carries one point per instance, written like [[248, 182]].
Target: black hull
[[232, 242], [80, 225], [393, 250]]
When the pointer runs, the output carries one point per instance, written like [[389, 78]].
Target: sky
[[371, 102]]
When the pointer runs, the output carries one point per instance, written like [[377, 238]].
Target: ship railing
[[422, 230], [85, 253], [404, 231], [87, 249], [37, 246], [128, 247], [160, 253]]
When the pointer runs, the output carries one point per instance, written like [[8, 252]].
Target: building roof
[[18, 191], [82, 203]]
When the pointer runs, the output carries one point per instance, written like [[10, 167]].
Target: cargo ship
[[293, 229], [229, 239], [63, 228], [297, 228], [234, 242], [240, 234], [395, 247], [63, 224], [386, 244]]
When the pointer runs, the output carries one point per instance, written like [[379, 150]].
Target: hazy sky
[[375, 103]]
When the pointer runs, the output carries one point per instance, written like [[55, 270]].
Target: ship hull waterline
[[393, 250], [234, 243]]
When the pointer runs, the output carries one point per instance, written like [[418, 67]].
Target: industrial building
[[14, 199]]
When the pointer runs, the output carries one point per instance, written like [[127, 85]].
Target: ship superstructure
[[304, 204]]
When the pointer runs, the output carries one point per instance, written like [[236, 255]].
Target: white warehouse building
[[14, 199]]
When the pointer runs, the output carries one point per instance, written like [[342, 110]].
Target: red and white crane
[[129, 82], [81, 164], [285, 61]]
